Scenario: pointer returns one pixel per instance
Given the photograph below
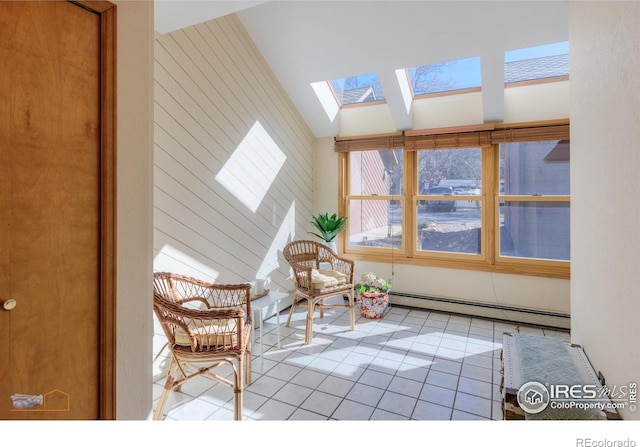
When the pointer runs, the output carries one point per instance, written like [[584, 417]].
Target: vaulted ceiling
[[307, 41]]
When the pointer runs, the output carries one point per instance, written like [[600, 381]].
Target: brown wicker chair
[[314, 283], [207, 326]]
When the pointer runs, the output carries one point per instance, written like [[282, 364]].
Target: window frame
[[489, 258]]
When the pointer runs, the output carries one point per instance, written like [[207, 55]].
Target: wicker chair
[[207, 326], [316, 284]]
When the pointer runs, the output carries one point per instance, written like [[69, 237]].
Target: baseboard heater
[[536, 316]]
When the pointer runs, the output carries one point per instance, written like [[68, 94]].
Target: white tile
[[427, 411], [283, 371], [375, 378], [299, 359], [352, 411], [198, 385], [485, 333], [397, 403], [251, 402], [321, 403], [464, 416], [266, 386], [437, 395], [442, 379], [194, 410], [416, 359], [449, 353], [224, 414], [322, 365], [479, 360], [383, 415], [458, 344], [416, 373], [423, 349], [365, 394], [438, 316], [405, 386], [481, 322], [273, 410], [384, 365], [455, 328], [336, 386], [305, 415], [475, 387], [496, 411], [414, 321], [433, 324], [473, 404], [445, 365], [477, 372], [308, 378], [460, 319], [292, 394], [404, 343]]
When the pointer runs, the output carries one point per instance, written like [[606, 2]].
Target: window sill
[[542, 268]]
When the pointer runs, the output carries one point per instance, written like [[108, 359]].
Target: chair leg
[[352, 314], [238, 389], [309, 327], [293, 306], [168, 387], [247, 362]]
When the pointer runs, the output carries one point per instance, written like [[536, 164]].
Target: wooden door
[[51, 211]]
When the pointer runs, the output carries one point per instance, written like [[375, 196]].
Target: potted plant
[[328, 227], [372, 295]]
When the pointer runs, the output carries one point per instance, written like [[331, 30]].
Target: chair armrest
[[302, 275], [343, 265], [201, 328]]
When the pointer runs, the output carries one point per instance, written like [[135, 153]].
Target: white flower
[[380, 283], [368, 278]]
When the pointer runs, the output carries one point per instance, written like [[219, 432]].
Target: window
[[375, 184], [534, 198], [487, 197], [453, 76], [537, 64], [359, 89], [449, 207]]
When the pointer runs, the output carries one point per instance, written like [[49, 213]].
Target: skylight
[[358, 89], [537, 63], [460, 74]]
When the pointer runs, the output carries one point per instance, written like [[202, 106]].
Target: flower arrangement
[[372, 284]]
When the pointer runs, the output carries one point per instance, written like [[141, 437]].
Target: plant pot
[[373, 305], [332, 245]]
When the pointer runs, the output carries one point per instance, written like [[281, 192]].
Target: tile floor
[[410, 365]]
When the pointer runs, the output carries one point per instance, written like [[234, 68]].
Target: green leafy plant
[[371, 283], [328, 226]]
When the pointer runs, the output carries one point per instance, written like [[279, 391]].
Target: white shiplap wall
[[233, 158]]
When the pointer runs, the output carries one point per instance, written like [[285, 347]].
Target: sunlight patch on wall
[[170, 259], [286, 232], [405, 88], [326, 98], [252, 168]]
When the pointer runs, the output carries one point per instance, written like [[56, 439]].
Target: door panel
[[5, 184], [52, 212]]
